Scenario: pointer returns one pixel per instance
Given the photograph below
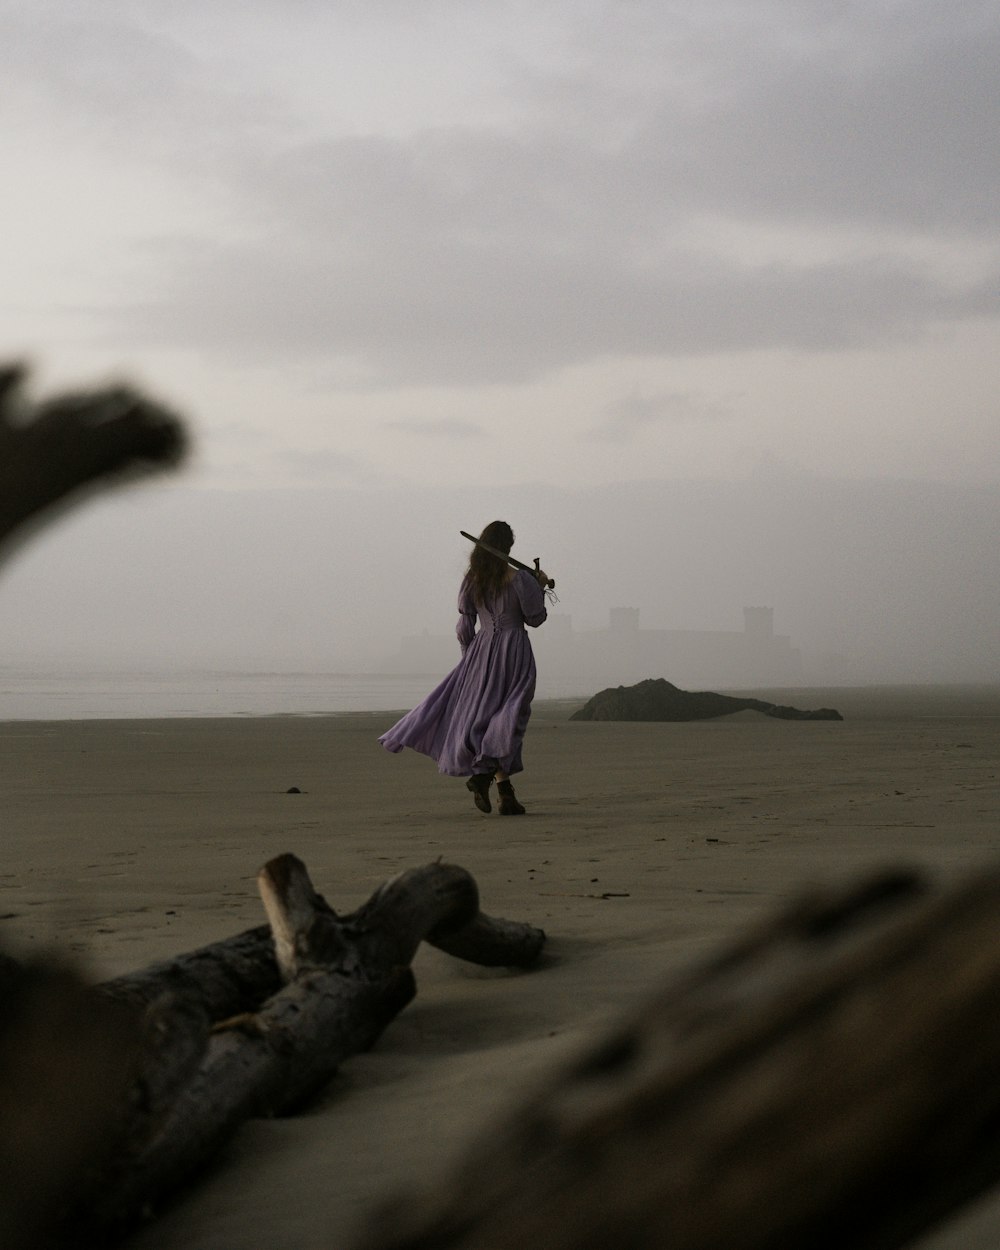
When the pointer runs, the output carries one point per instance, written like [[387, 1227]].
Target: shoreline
[[869, 701]]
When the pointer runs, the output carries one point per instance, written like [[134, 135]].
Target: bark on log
[[53, 451], [491, 942], [238, 973], [259, 1064], [829, 1081], [223, 978]]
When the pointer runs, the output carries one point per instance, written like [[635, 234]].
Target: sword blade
[[508, 559], [494, 552]]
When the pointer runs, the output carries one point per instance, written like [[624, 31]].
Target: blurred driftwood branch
[[830, 1080], [56, 451], [65, 1071]]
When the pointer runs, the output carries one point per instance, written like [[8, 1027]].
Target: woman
[[473, 724]]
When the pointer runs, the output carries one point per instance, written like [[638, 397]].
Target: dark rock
[[659, 700], [793, 713]]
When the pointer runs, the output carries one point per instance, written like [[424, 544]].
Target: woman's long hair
[[487, 573]]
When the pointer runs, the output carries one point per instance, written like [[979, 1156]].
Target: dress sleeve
[[531, 597], [465, 630]]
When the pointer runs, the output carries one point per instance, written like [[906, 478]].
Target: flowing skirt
[[475, 720]]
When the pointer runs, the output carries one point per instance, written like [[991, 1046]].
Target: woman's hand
[[543, 578]]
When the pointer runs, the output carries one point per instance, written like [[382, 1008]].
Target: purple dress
[[475, 720]]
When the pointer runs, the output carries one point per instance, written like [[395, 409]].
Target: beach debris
[[565, 894], [827, 1079], [254, 1025], [659, 700]]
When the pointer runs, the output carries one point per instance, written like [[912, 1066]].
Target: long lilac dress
[[475, 720]]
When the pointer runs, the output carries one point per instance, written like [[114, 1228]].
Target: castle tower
[[624, 620], [758, 624]]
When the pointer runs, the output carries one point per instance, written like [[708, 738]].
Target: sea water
[[46, 693], [56, 694]]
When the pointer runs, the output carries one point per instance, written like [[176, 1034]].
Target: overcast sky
[[392, 256]]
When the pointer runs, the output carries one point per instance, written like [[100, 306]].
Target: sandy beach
[[644, 847]]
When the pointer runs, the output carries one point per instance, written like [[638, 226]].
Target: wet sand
[[644, 848]]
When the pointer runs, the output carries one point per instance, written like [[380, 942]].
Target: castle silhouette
[[581, 661]]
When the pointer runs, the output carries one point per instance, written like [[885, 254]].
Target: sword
[[549, 585]]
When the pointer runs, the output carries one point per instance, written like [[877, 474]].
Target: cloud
[[610, 207], [441, 427], [325, 466], [901, 577], [802, 112], [623, 418], [135, 94], [503, 311]]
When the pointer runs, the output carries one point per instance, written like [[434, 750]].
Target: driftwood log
[[257, 1025], [232, 975], [829, 1081], [113, 1095]]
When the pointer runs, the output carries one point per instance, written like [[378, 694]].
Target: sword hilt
[[550, 584]]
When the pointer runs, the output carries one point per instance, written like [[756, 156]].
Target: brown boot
[[509, 805], [479, 784]]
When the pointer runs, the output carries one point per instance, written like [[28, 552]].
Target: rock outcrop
[[659, 700]]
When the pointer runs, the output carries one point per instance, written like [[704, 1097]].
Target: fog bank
[[872, 581]]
